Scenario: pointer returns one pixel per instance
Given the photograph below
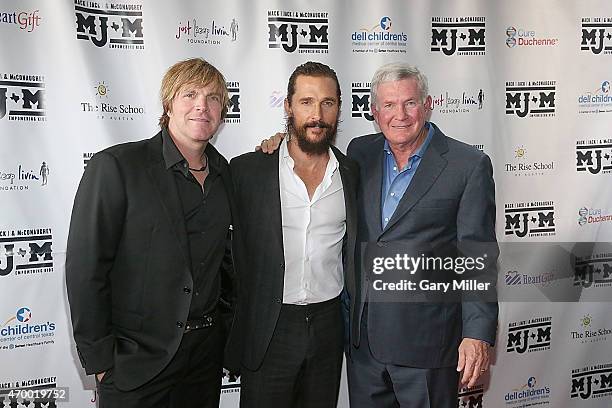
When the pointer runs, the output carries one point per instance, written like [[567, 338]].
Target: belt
[[202, 323]]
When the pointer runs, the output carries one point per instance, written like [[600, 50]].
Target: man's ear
[[428, 103], [287, 108]]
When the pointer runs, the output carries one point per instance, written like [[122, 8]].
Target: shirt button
[[179, 324], [392, 194], [394, 168], [186, 289], [386, 219]]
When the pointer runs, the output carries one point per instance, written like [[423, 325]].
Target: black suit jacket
[[256, 183], [450, 201], [128, 267]]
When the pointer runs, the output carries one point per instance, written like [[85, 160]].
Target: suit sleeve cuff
[[98, 356]]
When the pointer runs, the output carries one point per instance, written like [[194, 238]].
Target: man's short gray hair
[[396, 71]]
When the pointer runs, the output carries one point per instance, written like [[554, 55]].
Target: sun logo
[[101, 89], [520, 152], [586, 320]]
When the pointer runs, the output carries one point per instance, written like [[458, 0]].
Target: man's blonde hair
[[196, 71]]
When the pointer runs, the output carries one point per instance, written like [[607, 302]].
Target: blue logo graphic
[[385, 23], [24, 315]]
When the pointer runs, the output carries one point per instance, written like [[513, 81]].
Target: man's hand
[[271, 145], [473, 360], [100, 376]]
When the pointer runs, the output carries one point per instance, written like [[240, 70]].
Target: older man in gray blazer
[[422, 188]]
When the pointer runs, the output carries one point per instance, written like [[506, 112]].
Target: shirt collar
[[421, 150], [172, 155]]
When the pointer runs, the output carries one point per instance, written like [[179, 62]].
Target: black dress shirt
[[207, 219]]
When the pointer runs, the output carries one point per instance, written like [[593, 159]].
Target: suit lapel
[[372, 183], [427, 173], [163, 180], [350, 192], [271, 194]]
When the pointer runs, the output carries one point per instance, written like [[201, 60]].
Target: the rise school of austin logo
[[458, 35], [462, 101], [23, 330], [117, 24], [22, 97], [593, 271], [105, 106], [594, 156], [532, 393], [26, 252], [471, 397], [233, 108], [382, 37], [21, 177], [203, 32], [523, 37], [588, 216], [27, 21], [596, 101], [592, 382], [589, 331], [596, 35], [531, 98], [360, 100], [522, 165], [301, 31], [527, 336], [533, 219]]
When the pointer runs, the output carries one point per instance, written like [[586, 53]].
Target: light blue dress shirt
[[396, 181]]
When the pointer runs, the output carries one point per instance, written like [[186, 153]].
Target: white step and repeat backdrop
[[527, 82]]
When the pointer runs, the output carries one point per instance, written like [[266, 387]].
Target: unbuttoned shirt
[[313, 231], [207, 220], [396, 181]]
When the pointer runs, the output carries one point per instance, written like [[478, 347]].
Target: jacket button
[[277, 300], [282, 265], [186, 289], [179, 324], [381, 244]]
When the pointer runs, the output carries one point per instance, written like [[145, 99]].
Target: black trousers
[[374, 384], [191, 379], [303, 363]]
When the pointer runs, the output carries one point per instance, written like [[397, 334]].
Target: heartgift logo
[[27, 21]]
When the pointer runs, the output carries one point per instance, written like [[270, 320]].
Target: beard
[[309, 146]]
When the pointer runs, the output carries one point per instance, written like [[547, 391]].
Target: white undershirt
[[312, 233]]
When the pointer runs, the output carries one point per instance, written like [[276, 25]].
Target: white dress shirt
[[313, 231]]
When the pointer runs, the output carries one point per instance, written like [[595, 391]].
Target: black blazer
[[128, 269], [450, 201], [256, 184]]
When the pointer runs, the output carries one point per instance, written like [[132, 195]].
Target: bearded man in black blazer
[[148, 264], [298, 213]]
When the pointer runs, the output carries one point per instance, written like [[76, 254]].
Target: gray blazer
[[450, 200]]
